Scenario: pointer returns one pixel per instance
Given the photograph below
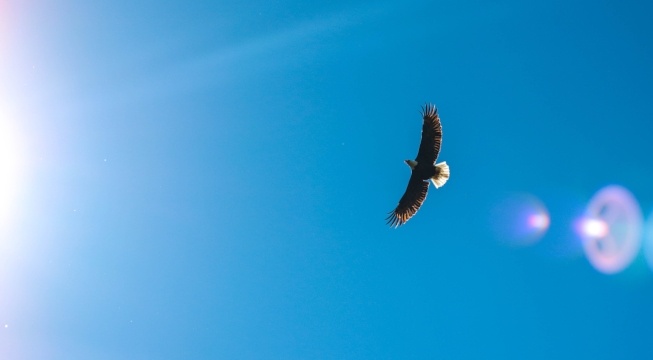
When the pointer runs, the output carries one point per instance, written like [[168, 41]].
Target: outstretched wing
[[410, 202], [429, 147]]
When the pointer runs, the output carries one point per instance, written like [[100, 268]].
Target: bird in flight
[[422, 169]]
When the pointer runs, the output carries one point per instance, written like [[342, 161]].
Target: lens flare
[[648, 241], [520, 219], [611, 229], [595, 228], [538, 221]]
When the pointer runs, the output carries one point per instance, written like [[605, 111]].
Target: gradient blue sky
[[209, 180]]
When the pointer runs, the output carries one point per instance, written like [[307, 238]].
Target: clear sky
[[209, 180]]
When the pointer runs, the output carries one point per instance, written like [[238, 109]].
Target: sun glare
[[12, 168]]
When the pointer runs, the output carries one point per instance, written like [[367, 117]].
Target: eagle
[[422, 169]]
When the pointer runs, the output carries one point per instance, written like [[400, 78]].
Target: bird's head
[[411, 163]]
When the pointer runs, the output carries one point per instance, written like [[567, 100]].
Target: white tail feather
[[442, 175]]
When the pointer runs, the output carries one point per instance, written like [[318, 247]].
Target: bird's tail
[[442, 174]]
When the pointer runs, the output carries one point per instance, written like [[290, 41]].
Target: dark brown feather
[[410, 202], [429, 147]]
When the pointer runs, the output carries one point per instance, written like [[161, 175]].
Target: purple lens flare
[[520, 219], [611, 229]]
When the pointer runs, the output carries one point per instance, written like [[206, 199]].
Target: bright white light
[[594, 227]]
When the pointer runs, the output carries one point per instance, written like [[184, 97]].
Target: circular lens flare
[[520, 219], [611, 229]]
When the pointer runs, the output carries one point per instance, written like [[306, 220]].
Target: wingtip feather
[[429, 110]]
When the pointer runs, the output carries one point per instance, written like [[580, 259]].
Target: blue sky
[[210, 180]]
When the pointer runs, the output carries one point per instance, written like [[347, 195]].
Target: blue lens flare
[[648, 241]]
